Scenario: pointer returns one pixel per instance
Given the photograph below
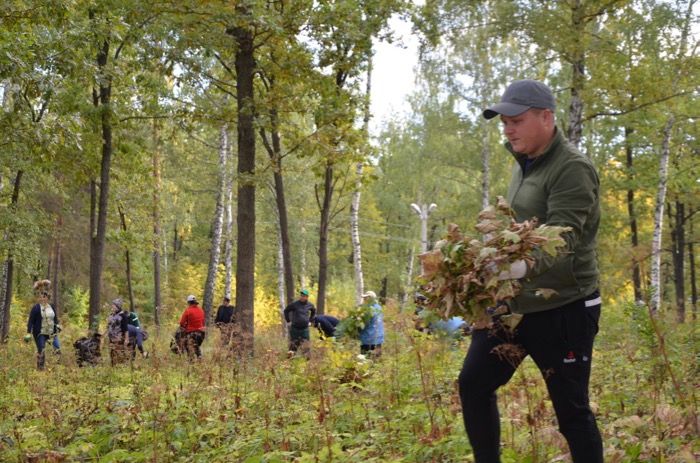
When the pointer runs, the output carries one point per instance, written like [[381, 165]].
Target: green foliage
[[76, 302], [402, 407], [355, 321]]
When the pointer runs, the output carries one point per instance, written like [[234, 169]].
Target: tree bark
[[6, 299], [176, 241], [274, 151], [218, 223], [485, 165], [677, 219], [634, 236], [355, 237], [356, 196], [303, 270], [127, 258], [97, 242], [691, 269], [157, 302], [245, 221], [323, 238], [656, 242], [578, 77], [55, 277], [408, 291], [281, 286], [656, 284], [228, 212], [228, 243]]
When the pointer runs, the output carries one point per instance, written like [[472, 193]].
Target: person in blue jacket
[[372, 335], [42, 326], [325, 324]]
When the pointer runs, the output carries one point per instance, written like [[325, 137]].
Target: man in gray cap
[[553, 181]]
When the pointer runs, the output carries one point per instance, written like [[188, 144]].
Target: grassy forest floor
[[402, 407]]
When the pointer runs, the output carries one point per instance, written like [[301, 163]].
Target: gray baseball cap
[[520, 96]]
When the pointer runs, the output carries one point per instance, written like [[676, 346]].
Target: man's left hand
[[517, 270]]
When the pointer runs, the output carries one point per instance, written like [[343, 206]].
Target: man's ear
[[548, 116]]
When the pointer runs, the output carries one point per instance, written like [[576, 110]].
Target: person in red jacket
[[192, 324]]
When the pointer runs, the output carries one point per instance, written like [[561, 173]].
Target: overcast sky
[[393, 74]]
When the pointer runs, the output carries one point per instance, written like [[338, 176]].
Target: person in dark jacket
[[227, 323], [298, 315], [87, 349], [136, 334], [118, 333], [554, 182], [42, 324], [325, 324]]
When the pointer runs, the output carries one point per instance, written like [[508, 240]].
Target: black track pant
[[560, 341]]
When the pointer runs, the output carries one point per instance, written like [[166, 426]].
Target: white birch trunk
[[485, 166], [355, 237], [657, 241], [3, 290], [302, 260], [409, 278], [217, 227], [281, 287], [228, 246], [165, 259], [355, 204]]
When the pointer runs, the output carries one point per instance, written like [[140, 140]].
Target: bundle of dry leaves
[[461, 274]]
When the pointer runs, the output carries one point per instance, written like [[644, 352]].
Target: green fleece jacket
[[560, 187]]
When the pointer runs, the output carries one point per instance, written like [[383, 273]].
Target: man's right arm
[[288, 309], [30, 322]]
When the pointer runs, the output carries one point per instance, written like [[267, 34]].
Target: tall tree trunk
[[485, 165], [274, 151], [228, 215], [355, 237], [656, 242], [245, 221], [97, 242], [157, 301], [383, 291], [49, 260], [8, 267], [408, 291], [691, 269], [127, 258], [677, 220], [55, 277], [323, 238], [578, 76], [281, 286], [303, 268], [176, 241], [634, 236], [228, 240], [356, 195], [218, 224], [656, 245]]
